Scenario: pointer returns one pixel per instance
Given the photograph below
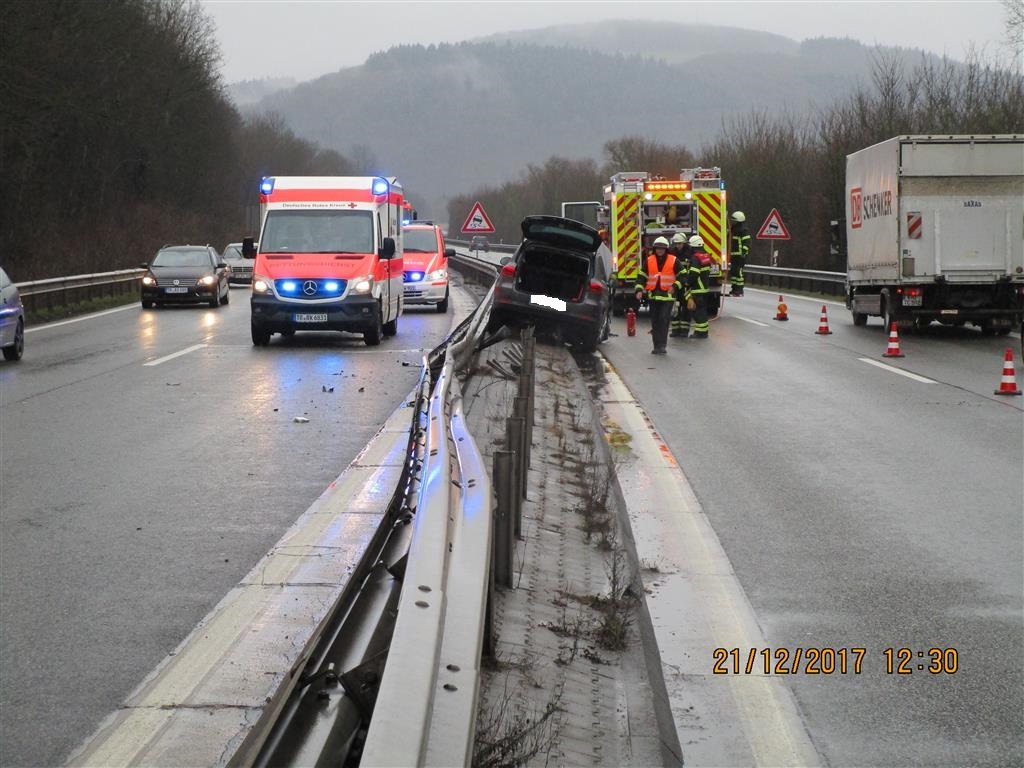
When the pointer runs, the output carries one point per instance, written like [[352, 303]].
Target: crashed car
[[559, 280]]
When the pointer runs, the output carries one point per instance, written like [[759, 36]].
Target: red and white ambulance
[[329, 257]]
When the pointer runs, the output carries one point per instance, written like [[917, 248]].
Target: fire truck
[[639, 207]]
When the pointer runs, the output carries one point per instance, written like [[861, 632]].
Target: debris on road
[[301, 420]]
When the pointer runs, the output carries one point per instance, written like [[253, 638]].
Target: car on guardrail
[[425, 265], [479, 243], [12, 319], [185, 274], [241, 267], [559, 279]]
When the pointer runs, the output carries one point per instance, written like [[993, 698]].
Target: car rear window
[[564, 235]]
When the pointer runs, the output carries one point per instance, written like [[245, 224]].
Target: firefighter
[[739, 253], [680, 248], [698, 278], [660, 276]]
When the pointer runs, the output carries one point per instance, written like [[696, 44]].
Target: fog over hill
[[448, 118]]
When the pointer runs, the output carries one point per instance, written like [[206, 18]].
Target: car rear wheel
[[374, 333], [17, 349], [260, 335], [442, 306]]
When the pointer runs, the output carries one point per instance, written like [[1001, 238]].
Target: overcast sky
[[305, 39]]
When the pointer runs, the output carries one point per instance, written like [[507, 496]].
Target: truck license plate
[[310, 317], [180, 289], [912, 301]]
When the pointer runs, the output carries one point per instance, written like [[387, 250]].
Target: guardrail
[[814, 281], [61, 291]]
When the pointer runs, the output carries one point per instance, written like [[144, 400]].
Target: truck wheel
[[988, 328], [860, 319], [260, 335], [374, 333]]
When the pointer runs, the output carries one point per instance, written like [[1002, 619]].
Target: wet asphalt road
[[134, 496], [861, 508]]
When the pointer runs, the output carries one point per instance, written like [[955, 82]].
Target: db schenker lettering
[[877, 204]]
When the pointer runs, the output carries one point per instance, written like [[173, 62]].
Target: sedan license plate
[[310, 317], [179, 289], [547, 301]]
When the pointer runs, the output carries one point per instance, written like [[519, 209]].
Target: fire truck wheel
[[375, 332]]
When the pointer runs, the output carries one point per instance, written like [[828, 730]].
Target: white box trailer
[[935, 231]]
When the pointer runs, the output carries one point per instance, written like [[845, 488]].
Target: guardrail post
[[520, 409], [504, 486], [516, 428]]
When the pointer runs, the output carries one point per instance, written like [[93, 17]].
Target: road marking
[[47, 326], [185, 351], [748, 320], [889, 368]]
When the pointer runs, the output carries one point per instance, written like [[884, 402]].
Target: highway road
[[147, 460], [861, 508]]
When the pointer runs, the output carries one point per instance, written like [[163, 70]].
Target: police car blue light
[[267, 186]]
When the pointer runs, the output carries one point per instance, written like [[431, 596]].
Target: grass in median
[[63, 312]]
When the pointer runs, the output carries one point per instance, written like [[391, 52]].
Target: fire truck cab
[[329, 257]]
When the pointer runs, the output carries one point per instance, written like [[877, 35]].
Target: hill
[[448, 118]]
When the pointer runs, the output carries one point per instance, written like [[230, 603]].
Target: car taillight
[[508, 270], [596, 287]]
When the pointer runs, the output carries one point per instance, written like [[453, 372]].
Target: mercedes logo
[[177, 282], [309, 287]]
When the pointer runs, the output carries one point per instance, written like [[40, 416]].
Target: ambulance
[[329, 257]]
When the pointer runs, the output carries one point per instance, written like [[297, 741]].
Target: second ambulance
[[329, 257]]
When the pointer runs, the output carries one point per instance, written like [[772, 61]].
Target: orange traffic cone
[[782, 314], [823, 325], [1008, 384], [893, 350]]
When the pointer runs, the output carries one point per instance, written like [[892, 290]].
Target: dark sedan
[[558, 280], [186, 274]]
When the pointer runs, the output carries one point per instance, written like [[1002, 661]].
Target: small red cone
[[823, 325], [783, 313], [1008, 384], [893, 350]]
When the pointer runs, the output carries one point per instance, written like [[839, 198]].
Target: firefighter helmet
[[660, 242], [678, 238], [696, 241], [738, 216]]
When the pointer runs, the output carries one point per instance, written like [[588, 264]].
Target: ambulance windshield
[[311, 231]]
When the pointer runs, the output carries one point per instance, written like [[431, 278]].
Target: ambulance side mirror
[[248, 248], [387, 249], [449, 253]]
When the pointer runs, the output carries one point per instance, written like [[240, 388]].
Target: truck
[[329, 257], [583, 211], [934, 232], [640, 206]]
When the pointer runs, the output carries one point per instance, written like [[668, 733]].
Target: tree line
[[794, 163], [116, 137]]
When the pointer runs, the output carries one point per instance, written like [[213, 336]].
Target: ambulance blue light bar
[[380, 187], [267, 185]]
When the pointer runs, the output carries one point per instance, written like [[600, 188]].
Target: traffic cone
[[782, 314], [1008, 384], [893, 350], [823, 325]]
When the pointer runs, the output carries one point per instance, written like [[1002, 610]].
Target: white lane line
[[749, 320], [889, 368], [185, 351], [47, 326]]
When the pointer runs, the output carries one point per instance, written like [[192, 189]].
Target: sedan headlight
[[149, 280], [438, 274], [362, 285], [207, 280], [261, 285]]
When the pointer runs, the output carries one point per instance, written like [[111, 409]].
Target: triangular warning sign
[[773, 228], [477, 222]]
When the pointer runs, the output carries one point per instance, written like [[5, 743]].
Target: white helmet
[[696, 241], [739, 216], [678, 237], [661, 242]]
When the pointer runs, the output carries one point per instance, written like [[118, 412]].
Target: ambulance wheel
[[442, 306], [391, 328], [374, 333], [260, 335]]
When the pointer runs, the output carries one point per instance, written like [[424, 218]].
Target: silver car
[[241, 268], [12, 319]]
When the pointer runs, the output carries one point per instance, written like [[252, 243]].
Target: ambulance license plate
[[180, 289], [310, 317], [547, 301]]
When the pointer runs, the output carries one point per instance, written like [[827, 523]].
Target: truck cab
[[329, 257]]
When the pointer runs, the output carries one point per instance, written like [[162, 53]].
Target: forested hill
[[446, 118]]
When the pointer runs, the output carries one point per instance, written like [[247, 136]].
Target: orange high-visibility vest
[[666, 277]]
